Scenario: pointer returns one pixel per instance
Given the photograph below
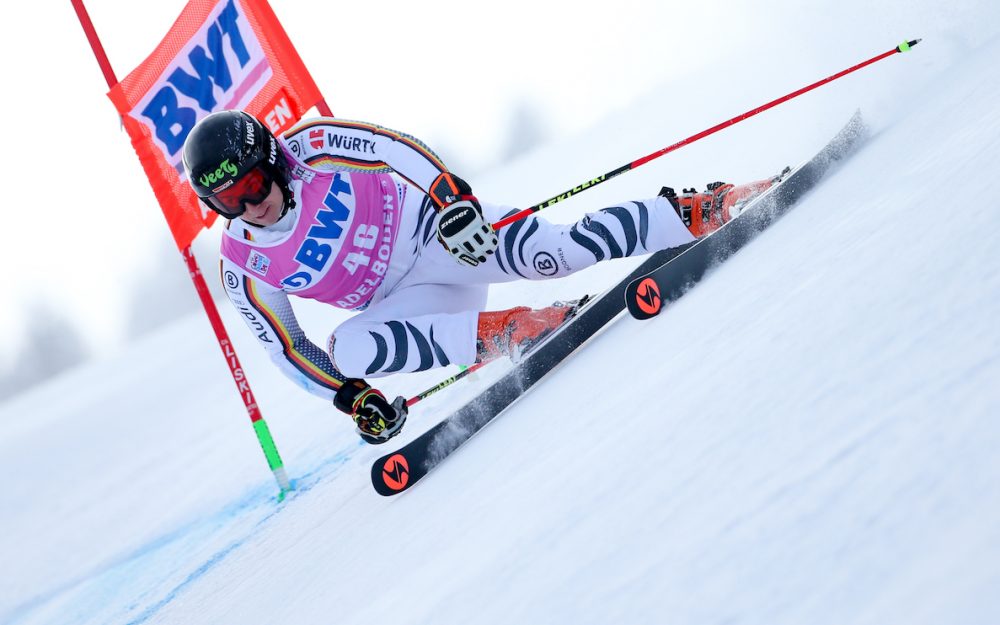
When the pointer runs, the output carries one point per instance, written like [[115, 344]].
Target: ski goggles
[[252, 188]]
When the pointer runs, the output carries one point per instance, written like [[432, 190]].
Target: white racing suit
[[361, 238]]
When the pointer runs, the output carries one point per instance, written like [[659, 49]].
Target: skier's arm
[[269, 316], [359, 146]]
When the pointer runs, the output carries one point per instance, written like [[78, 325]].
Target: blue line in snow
[[304, 483]]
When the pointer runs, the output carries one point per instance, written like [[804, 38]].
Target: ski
[[646, 294], [398, 471]]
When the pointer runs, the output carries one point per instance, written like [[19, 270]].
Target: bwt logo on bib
[[222, 67], [315, 253]]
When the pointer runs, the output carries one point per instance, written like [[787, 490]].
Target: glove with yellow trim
[[376, 418], [462, 230]]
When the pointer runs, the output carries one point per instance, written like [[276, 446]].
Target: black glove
[[376, 418], [462, 229]]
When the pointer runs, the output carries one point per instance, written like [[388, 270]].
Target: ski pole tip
[[906, 45]]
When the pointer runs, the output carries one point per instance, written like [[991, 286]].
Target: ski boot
[[513, 332], [704, 213]]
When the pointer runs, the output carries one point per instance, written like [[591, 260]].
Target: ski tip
[[906, 45]]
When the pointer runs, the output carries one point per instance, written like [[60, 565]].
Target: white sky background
[[83, 227], [85, 223]]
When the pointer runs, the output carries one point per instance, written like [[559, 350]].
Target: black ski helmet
[[225, 146]]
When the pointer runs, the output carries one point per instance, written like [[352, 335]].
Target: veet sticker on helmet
[[228, 174], [225, 168]]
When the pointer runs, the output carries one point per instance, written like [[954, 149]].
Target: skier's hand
[[462, 230], [376, 418]]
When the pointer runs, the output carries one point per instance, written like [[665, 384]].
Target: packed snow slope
[[809, 436]]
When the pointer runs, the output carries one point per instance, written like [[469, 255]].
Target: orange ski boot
[[514, 331], [704, 213]]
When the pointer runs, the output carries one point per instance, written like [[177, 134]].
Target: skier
[[346, 213]]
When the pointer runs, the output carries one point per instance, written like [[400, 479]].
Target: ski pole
[[260, 427], [444, 384], [903, 47]]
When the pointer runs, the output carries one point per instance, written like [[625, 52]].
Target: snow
[[808, 436]]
